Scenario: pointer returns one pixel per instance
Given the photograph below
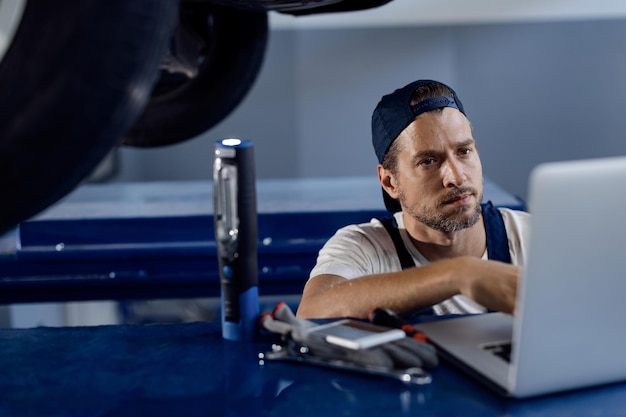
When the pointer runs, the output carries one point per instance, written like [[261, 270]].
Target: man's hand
[[492, 284]]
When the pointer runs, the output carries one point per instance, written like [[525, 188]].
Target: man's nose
[[452, 174]]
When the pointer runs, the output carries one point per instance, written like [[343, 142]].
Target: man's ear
[[387, 181]]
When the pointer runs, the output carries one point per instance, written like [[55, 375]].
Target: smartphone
[[354, 334]]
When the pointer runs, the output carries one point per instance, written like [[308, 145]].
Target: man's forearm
[[492, 284], [405, 291]]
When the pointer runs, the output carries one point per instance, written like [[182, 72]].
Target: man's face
[[439, 175]]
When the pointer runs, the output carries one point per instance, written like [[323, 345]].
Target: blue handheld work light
[[235, 220]]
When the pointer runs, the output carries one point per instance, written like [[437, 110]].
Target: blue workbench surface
[[156, 240], [189, 370]]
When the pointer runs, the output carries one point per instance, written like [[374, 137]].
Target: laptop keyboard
[[500, 349]]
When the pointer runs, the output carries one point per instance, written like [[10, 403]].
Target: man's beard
[[461, 218]]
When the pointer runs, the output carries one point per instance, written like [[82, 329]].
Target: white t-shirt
[[366, 249]]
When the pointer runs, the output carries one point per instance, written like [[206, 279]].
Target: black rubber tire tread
[[72, 82], [238, 40]]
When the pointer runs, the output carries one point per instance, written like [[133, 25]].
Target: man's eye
[[465, 151], [427, 161]]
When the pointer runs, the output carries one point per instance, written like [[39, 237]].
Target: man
[[445, 255]]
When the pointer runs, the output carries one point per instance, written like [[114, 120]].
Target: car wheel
[[73, 78], [215, 56]]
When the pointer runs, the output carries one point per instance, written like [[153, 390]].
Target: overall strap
[[497, 240], [406, 260]]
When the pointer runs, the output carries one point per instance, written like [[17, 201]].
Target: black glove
[[299, 342]]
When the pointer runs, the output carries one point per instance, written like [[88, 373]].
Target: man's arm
[[490, 283]]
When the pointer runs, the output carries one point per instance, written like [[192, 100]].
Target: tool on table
[[389, 318]]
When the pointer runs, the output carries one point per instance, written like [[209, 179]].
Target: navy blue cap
[[394, 113]]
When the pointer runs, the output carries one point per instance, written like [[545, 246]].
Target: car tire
[[74, 78], [233, 44]]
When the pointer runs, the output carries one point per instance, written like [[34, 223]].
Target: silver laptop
[[569, 330]]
